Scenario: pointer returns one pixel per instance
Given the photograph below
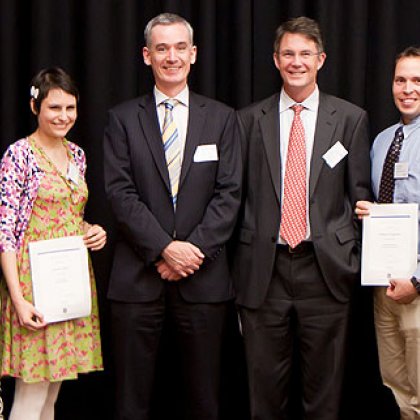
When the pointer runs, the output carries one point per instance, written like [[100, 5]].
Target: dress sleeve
[[79, 157], [12, 176]]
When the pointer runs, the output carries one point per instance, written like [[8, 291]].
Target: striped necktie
[[172, 147]]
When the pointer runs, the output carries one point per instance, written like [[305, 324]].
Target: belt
[[302, 248]]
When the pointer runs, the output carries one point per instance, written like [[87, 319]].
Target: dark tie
[[387, 185], [293, 215]]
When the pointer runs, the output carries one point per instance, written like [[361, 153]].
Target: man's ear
[[321, 60], [146, 56], [276, 60], [193, 54]]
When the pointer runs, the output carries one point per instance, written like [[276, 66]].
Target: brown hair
[[300, 25], [48, 79], [411, 51]]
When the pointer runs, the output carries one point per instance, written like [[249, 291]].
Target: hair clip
[[34, 92]]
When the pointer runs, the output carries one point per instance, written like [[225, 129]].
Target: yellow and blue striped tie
[[172, 148]]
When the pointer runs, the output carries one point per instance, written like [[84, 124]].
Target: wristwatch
[[415, 283]]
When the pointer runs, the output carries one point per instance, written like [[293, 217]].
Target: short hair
[[165, 19], [412, 51], [300, 25], [48, 79]]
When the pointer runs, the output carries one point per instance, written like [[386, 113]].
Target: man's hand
[[362, 209], [183, 257], [166, 272], [401, 291]]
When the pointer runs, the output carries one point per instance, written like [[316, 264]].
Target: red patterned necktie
[[387, 185], [293, 216]]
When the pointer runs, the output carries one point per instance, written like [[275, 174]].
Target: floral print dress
[[60, 350]]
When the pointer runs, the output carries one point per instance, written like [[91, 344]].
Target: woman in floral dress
[[42, 196]]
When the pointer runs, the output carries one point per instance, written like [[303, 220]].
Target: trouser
[[299, 309], [398, 335], [137, 329]]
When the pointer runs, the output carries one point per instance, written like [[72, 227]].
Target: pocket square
[[206, 153]]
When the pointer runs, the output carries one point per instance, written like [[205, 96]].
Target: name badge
[[401, 170], [73, 173], [335, 154]]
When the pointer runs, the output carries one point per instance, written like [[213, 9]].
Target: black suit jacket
[[137, 185], [332, 196]]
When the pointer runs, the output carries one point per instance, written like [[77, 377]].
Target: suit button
[[273, 239]]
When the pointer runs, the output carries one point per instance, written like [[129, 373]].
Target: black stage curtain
[[99, 43]]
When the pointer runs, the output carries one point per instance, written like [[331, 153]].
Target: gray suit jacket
[[137, 185], [332, 195]]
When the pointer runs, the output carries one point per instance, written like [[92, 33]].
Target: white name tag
[[401, 170], [73, 173], [206, 153], [335, 154]]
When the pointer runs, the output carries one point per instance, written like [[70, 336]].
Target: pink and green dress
[[61, 350]]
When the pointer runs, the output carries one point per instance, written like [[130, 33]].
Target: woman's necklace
[[50, 160], [70, 181]]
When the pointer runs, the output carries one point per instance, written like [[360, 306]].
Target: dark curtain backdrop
[[99, 43]]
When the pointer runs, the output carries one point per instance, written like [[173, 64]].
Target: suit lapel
[[196, 120], [150, 124], [324, 130], [270, 130]]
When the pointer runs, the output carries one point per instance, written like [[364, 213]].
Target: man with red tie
[[297, 255]]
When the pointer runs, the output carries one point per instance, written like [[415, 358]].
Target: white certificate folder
[[60, 278], [389, 246]]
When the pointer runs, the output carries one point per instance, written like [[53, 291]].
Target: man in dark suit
[[297, 254], [172, 172]]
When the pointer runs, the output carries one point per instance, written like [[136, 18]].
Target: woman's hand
[[28, 316], [94, 237]]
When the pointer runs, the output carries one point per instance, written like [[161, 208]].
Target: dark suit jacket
[[332, 196], [137, 185]]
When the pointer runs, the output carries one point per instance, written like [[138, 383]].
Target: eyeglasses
[[303, 55]]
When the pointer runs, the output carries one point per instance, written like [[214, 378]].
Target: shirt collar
[[182, 97], [311, 102], [414, 124]]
